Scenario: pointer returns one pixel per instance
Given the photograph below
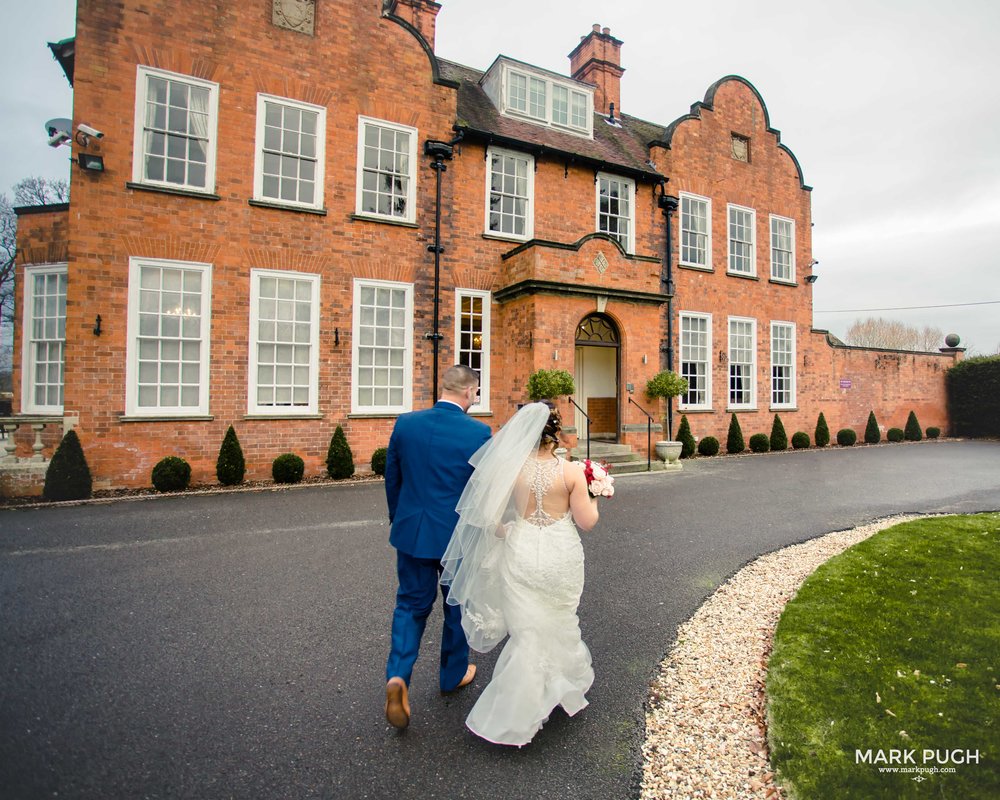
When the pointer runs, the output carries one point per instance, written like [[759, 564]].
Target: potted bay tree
[[667, 385]]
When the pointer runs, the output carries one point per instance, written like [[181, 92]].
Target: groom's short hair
[[459, 378]]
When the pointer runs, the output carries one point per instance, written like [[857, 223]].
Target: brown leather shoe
[[397, 703], [470, 675]]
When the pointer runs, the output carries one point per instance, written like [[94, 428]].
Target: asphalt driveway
[[233, 645]]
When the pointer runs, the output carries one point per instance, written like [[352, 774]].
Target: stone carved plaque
[[741, 148], [601, 262], [295, 15]]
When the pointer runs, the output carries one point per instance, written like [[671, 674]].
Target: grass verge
[[888, 658]]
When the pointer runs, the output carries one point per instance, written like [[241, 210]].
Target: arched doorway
[[596, 366]]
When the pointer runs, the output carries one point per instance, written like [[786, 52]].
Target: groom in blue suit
[[426, 469]]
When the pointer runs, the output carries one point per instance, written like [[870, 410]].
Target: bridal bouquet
[[599, 482]]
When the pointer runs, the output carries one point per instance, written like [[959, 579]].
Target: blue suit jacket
[[426, 469]]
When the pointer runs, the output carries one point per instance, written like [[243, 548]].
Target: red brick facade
[[540, 288]]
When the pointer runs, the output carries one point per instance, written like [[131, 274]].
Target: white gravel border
[[705, 719]]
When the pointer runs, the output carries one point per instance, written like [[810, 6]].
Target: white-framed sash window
[[382, 347], [696, 231], [44, 340], [291, 143], [616, 209], [387, 176], [176, 124], [542, 99], [284, 343], [783, 364], [742, 362], [510, 182], [472, 338], [696, 350], [782, 249], [742, 241], [169, 327]]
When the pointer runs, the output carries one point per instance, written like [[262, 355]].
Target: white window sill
[[746, 275], [403, 223], [503, 237], [167, 418]]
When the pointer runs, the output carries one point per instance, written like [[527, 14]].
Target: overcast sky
[[892, 108]]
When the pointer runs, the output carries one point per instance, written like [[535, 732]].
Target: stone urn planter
[[669, 452]]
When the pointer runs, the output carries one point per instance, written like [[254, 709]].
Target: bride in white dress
[[515, 566]]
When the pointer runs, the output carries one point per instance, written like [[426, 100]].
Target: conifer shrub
[[734, 441], [686, 438], [933, 433], [230, 466], [822, 437], [800, 440], [846, 437], [895, 435], [171, 474], [760, 443], [779, 439], [287, 468], [872, 434], [68, 476], [912, 429], [339, 459], [378, 461], [708, 446]]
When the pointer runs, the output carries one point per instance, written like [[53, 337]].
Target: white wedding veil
[[471, 562]]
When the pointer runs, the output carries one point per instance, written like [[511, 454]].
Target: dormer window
[[544, 98]]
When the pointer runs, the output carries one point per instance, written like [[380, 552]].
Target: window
[[548, 101], [44, 339], [696, 231], [511, 180], [387, 181], [741, 241], [175, 130], [290, 147], [382, 347], [472, 338], [696, 349], [168, 338], [782, 249], [615, 209], [742, 362], [783, 364], [284, 343]]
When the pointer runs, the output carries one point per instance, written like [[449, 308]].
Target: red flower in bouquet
[[599, 482]]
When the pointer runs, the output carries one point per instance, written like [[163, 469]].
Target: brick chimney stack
[[597, 59], [421, 14]]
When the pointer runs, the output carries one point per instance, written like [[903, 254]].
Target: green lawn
[[888, 651]]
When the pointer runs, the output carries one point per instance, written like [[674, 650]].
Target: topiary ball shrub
[[339, 458], [548, 384], [734, 441], [708, 446], [895, 435], [287, 468], [912, 429], [759, 443], [800, 440], [822, 436], [230, 466], [171, 474], [378, 461], [779, 439], [68, 476], [686, 438], [846, 437], [872, 434], [933, 433]]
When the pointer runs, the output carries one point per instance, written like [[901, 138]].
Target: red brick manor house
[[304, 216]]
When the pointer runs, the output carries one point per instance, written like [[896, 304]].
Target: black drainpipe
[[440, 151], [668, 205]]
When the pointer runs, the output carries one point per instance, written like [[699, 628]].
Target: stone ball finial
[[952, 339]]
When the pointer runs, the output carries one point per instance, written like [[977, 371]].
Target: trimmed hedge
[[734, 441], [895, 435], [779, 439], [759, 443], [378, 460], [933, 433], [230, 466], [973, 390], [872, 434], [171, 474], [686, 438], [339, 458], [287, 468], [68, 476], [800, 440], [912, 430], [822, 437], [846, 437], [708, 446]]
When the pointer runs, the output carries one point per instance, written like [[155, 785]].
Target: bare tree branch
[[893, 335], [40, 191]]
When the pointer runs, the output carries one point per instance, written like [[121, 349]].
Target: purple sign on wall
[[845, 383]]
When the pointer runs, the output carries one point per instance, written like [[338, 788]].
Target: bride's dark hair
[[550, 433]]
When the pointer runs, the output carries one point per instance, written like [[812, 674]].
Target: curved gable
[[435, 66]]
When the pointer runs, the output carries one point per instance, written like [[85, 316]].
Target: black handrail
[[649, 434], [588, 423]]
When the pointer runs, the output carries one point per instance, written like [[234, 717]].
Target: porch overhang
[[533, 286]]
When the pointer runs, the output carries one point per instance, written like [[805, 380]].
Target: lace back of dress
[[540, 475]]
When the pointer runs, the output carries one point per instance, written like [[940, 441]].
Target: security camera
[[88, 131], [58, 137]]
